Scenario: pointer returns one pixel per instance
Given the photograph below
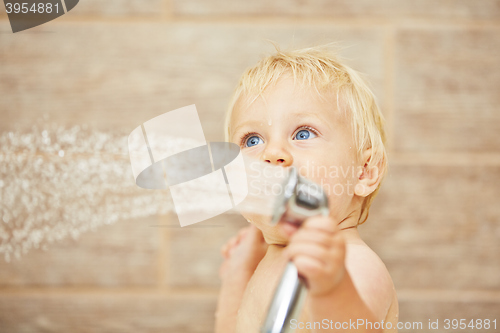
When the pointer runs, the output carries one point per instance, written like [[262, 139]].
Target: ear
[[368, 176]]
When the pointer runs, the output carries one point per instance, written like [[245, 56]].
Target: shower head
[[300, 198]]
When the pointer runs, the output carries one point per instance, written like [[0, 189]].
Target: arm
[[230, 296], [341, 288], [342, 305], [242, 255]]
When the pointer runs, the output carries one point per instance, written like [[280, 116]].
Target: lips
[[289, 228]]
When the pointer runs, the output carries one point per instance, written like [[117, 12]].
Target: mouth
[[289, 227]]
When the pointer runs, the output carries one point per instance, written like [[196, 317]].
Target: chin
[[273, 234]]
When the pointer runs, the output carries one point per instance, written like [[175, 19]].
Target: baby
[[306, 109]]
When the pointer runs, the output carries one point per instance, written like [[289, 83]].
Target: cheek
[[336, 175], [328, 169]]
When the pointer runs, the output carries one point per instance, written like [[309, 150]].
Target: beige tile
[[411, 311], [114, 8], [194, 254], [118, 255], [119, 75], [107, 313], [446, 90], [489, 9], [437, 227]]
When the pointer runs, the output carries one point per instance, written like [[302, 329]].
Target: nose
[[277, 155]]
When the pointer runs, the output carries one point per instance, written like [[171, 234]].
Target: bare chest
[[258, 294]]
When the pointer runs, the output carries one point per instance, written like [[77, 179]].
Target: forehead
[[287, 100]]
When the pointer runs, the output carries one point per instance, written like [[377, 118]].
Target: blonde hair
[[322, 69]]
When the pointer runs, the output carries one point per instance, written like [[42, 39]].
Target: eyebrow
[[306, 115], [255, 123]]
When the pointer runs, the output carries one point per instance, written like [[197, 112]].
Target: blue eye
[[304, 135], [253, 141]]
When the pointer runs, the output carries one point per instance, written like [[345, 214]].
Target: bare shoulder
[[372, 280]]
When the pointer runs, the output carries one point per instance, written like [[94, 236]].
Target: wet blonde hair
[[321, 68]]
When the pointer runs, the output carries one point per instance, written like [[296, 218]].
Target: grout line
[[161, 256], [404, 295], [445, 159], [363, 22], [22, 152], [360, 22], [389, 96], [107, 291], [167, 10], [164, 256], [437, 295]]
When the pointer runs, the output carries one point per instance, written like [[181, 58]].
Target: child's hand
[[318, 251], [233, 241], [243, 252]]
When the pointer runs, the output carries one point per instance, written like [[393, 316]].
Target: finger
[[308, 267], [238, 237], [307, 249], [225, 248], [316, 236], [232, 243], [243, 232], [227, 252], [229, 245]]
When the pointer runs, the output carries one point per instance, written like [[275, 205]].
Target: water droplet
[[51, 198], [270, 122]]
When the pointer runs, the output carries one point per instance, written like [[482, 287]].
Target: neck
[[350, 221], [348, 227]]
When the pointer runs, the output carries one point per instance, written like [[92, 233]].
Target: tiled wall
[[434, 66]]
